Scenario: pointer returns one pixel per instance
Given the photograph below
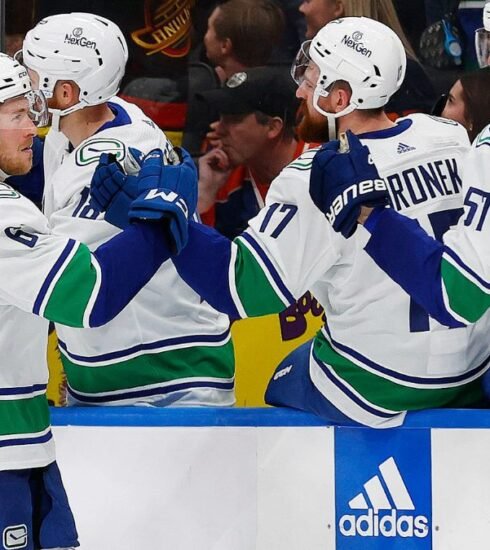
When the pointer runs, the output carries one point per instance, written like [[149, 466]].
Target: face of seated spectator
[[215, 47], [248, 136], [468, 102], [455, 105], [318, 13]]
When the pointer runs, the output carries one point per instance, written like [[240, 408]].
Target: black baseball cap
[[265, 89]]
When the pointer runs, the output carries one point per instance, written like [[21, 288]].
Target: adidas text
[[390, 524]]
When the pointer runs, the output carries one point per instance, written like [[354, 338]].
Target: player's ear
[[66, 94], [341, 97]]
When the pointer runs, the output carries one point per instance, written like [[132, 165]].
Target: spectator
[[256, 129], [320, 12], [242, 34], [468, 102], [417, 92]]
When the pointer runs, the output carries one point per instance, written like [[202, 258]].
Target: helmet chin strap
[[331, 117], [56, 114]]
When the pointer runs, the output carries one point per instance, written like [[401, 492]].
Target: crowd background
[[178, 48]]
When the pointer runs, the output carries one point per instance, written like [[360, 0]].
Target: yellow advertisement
[[260, 345]]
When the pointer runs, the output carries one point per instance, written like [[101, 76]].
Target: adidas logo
[[403, 148], [387, 495]]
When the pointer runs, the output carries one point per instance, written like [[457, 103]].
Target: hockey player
[[378, 355], [168, 346], [451, 280], [49, 277]]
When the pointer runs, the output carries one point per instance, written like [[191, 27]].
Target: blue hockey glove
[[112, 190], [342, 182], [167, 192]]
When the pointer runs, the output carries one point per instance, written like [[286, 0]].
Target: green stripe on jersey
[[465, 298], [256, 293], [152, 368], [392, 395], [71, 294], [24, 416]]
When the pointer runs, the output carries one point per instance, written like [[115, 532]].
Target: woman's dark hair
[[476, 97]]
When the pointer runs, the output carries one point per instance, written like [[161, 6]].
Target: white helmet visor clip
[[482, 47], [38, 108]]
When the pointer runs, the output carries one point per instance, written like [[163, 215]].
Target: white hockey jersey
[[167, 346], [378, 354], [52, 277], [453, 281]]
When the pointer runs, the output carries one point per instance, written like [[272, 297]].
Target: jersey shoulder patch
[[483, 138], [303, 162]]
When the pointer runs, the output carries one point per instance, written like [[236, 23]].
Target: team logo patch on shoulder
[[90, 152], [7, 192], [483, 138]]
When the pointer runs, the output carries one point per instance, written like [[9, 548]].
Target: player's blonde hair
[[382, 11]]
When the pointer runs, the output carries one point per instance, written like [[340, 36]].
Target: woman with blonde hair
[[383, 11], [417, 92]]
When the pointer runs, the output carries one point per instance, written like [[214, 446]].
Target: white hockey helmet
[[482, 39], [85, 48], [358, 50], [15, 82]]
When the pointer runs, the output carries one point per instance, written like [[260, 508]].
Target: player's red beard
[[309, 130]]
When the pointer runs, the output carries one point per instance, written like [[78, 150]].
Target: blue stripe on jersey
[[52, 274], [23, 389], [400, 127], [127, 262], [404, 377], [179, 340], [159, 390], [121, 117], [345, 389], [27, 440], [204, 265], [459, 261], [412, 258], [270, 267]]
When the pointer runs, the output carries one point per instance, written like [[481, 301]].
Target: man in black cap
[[257, 111]]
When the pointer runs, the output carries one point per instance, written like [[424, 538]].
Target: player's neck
[[358, 123], [82, 124], [267, 166]]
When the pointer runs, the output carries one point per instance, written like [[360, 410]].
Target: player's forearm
[[413, 259], [93, 289], [226, 276]]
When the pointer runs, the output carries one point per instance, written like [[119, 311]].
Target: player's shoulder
[[18, 211], [303, 162], [437, 128], [483, 138]]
